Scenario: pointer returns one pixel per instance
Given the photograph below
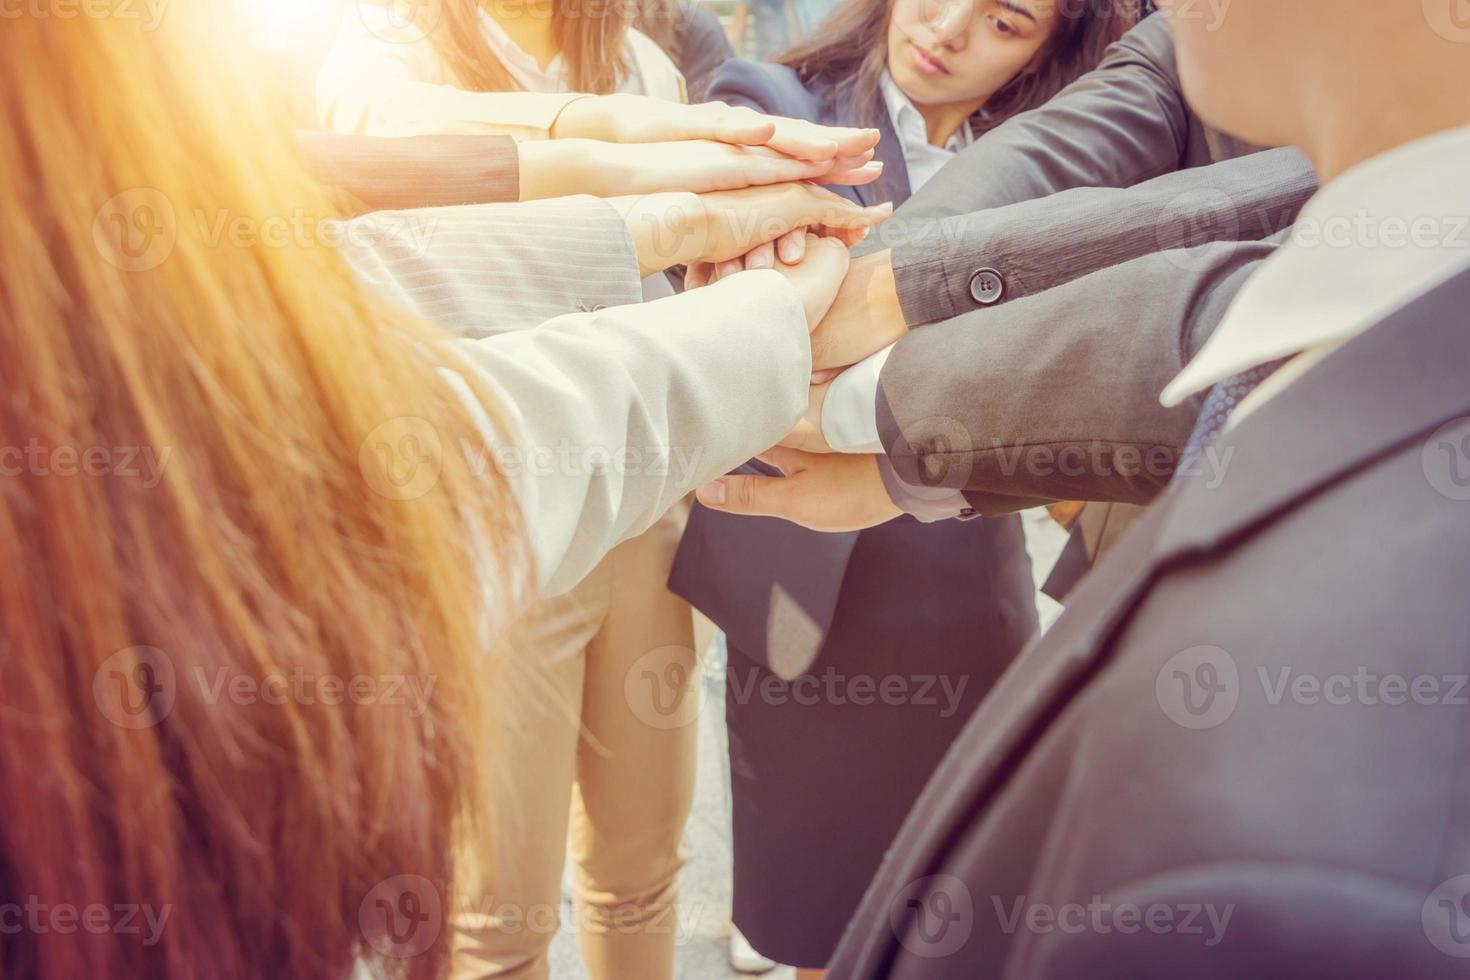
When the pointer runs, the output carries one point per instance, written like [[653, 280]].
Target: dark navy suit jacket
[[771, 585]]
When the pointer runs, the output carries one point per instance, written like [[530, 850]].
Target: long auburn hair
[[590, 34], [272, 835], [850, 48]]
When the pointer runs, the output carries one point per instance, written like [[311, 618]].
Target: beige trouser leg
[[635, 779], [635, 770]]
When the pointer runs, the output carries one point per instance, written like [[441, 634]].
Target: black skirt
[[824, 769]]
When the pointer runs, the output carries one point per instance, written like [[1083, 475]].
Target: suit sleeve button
[[987, 287]]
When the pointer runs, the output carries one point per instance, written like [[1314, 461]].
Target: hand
[[808, 436], [789, 249], [865, 317], [683, 229], [834, 492], [817, 277], [625, 118], [557, 168]]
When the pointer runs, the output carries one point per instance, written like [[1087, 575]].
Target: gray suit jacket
[[1146, 752], [1133, 226], [1121, 124]]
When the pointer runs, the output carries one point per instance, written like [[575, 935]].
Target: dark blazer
[[1136, 753], [391, 173], [1115, 167], [770, 585], [1000, 400], [699, 48]]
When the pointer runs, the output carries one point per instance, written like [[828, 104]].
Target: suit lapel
[[1399, 380], [894, 184]]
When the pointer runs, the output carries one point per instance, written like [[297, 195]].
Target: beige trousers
[[596, 757]]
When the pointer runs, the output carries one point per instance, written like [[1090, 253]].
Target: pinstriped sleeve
[[491, 268]]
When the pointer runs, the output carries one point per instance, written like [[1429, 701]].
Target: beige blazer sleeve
[[615, 415], [384, 78]]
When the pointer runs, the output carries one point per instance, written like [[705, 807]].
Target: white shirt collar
[[922, 159], [1379, 236], [522, 67]]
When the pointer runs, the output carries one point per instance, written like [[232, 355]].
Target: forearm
[[1118, 125], [493, 268], [973, 261], [616, 415], [415, 172], [1055, 397], [865, 318]]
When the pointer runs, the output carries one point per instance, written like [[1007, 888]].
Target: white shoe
[[744, 958]]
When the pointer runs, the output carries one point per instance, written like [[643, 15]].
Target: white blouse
[[922, 158], [385, 78]]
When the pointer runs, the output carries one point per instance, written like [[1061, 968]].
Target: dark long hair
[[850, 49]]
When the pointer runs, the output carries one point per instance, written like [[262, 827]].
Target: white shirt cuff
[[850, 412]]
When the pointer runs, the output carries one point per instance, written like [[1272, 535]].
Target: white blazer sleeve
[[613, 416]]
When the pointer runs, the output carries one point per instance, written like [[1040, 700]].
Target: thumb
[[752, 495]]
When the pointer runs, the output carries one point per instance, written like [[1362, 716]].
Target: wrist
[[864, 318], [661, 227], [585, 117], [544, 166]]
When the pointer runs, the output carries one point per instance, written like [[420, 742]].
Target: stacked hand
[[822, 491], [639, 119], [722, 189], [675, 228]]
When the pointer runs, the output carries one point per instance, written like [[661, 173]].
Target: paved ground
[[705, 890]]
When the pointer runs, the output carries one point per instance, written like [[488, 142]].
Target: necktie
[[1222, 399]]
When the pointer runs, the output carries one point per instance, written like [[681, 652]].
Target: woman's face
[[957, 51]]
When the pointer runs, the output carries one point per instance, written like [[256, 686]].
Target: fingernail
[[711, 493], [761, 260]]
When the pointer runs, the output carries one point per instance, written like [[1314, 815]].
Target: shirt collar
[[1368, 243], [522, 67], [908, 122]]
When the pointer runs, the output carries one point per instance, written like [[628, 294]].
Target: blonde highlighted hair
[[277, 832]]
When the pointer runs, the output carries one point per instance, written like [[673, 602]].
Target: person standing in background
[[764, 29], [821, 784]]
